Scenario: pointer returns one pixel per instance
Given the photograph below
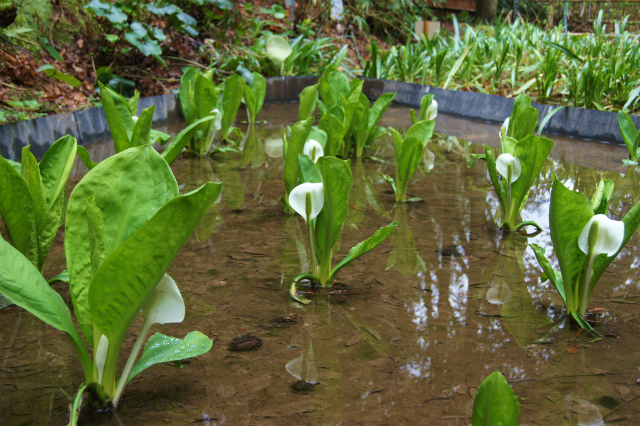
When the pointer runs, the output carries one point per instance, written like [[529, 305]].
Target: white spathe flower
[[309, 147], [100, 357], [164, 305], [274, 147], [298, 199], [504, 128], [135, 118], [218, 120], [502, 165], [432, 111], [609, 238]]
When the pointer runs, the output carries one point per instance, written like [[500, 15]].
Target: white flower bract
[[502, 165], [432, 111], [609, 238], [308, 149], [298, 199]]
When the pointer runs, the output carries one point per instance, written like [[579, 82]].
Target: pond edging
[[89, 125]]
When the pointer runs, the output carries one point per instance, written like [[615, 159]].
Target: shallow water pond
[[406, 335]]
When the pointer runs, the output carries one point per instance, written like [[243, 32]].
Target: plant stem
[[131, 361], [312, 251], [586, 282]]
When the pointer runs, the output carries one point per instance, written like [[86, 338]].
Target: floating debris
[[245, 343]]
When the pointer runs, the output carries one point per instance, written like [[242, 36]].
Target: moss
[[34, 14]]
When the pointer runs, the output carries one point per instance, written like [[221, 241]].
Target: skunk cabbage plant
[[495, 404], [325, 214], [347, 117], [300, 134], [630, 135], [125, 224], [253, 96], [518, 166], [32, 198], [408, 153], [585, 242]]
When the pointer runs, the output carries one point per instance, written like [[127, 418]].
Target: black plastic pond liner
[[90, 124]]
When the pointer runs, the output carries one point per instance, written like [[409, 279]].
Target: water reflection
[[403, 254]]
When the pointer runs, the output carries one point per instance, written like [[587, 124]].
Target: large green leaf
[[206, 96], [601, 196], [299, 133], [523, 119], [377, 111], [117, 126], [17, 211], [408, 153], [56, 166], [364, 247], [629, 133], [569, 212], [532, 151], [129, 274], [337, 180], [23, 284], [182, 139], [231, 100], [495, 403], [129, 188], [423, 130], [331, 86], [51, 71], [308, 102], [186, 95], [333, 126], [50, 222], [160, 348], [31, 175], [259, 88], [308, 169]]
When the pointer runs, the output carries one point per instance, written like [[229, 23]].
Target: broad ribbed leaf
[[493, 176], [250, 102], [299, 133], [56, 166], [408, 153], [308, 169], [259, 88], [364, 247], [308, 102], [532, 151], [331, 86], [31, 175], [85, 157], [629, 134], [16, 209], [50, 223], [337, 180], [160, 348], [231, 100], [97, 238], [377, 111], [186, 94], [23, 284], [523, 118], [206, 96], [422, 130], [569, 212], [131, 271], [129, 187], [495, 403], [550, 273], [117, 126], [334, 128]]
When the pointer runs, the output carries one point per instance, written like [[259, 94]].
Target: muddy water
[[411, 329]]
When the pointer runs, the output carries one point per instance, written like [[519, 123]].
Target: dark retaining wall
[[89, 125]]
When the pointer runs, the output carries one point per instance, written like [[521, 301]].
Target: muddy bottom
[[412, 327]]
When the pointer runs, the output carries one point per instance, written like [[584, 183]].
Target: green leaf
[[569, 212], [182, 139], [422, 130], [50, 71], [378, 109], [130, 272], [308, 102], [85, 157], [231, 100], [554, 276], [160, 348], [364, 247], [49, 48], [17, 211], [23, 284], [277, 50], [139, 37], [335, 130], [425, 103], [129, 188], [408, 153], [62, 276], [493, 176], [318, 135], [250, 101], [495, 403], [259, 88], [299, 133], [532, 151], [97, 238], [31, 175], [629, 133], [523, 119], [116, 124], [186, 94], [205, 95], [337, 180], [142, 128], [308, 169], [56, 166], [331, 86]]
